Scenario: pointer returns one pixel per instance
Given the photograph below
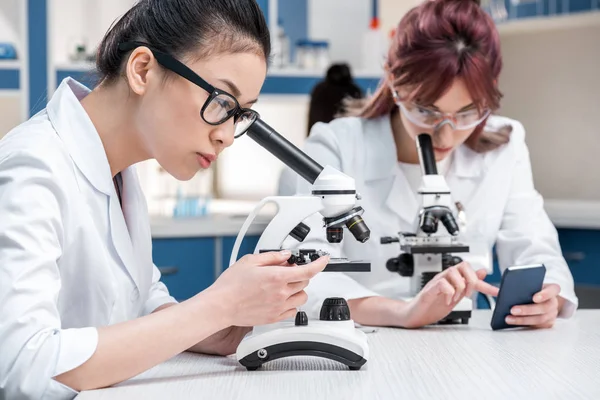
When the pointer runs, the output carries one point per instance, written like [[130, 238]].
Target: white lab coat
[[71, 259], [495, 188]]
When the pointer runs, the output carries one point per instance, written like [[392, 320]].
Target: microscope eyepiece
[[359, 229]]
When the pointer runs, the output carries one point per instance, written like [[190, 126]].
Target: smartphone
[[518, 286]]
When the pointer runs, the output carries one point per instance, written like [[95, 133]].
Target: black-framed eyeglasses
[[220, 105]]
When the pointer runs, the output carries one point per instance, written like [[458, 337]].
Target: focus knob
[[406, 264], [448, 260], [335, 309], [300, 232], [393, 264], [403, 264], [301, 319]]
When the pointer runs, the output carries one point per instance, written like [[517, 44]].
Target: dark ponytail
[[178, 27], [327, 97]]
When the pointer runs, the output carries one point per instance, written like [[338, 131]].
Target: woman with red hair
[[441, 78]]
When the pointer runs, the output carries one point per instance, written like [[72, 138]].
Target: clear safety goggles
[[427, 118]]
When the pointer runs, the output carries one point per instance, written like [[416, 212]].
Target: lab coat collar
[[382, 164], [79, 134], [380, 147], [467, 163], [81, 138]]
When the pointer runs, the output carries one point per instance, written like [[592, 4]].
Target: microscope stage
[[345, 265], [434, 248]]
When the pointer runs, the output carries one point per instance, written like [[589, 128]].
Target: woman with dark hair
[[327, 97], [81, 304], [441, 79]]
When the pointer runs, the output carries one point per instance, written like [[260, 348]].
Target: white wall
[[392, 11], [10, 21], [10, 112], [246, 170], [551, 82], [344, 29], [74, 21]]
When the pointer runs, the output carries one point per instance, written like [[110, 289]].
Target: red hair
[[435, 43]]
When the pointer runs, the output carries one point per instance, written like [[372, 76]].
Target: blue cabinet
[[187, 264], [247, 247], [581, 250], [190, 265]]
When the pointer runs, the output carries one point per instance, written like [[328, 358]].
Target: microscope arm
[[280, 227], [333, 196]]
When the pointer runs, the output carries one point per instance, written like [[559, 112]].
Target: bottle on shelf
[[281, 47]]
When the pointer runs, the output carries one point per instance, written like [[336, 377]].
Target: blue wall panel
[[9, 79], [88, 78], [37, 32], [305, 84], [293, 14], [264, 5]]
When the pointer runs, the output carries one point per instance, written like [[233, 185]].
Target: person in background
[[442, 74], [81, 303], [327, 97], [327, 101]]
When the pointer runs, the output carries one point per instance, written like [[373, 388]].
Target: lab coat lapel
[[382, 170], [120, 236], [79, 134], [401, 200], [81, 139], [138, 225], [464, 180]]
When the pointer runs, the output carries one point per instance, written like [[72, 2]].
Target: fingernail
[[516, 311], [285, 253], [538, 297], [510, 320]]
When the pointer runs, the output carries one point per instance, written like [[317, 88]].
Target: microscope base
[[335, 340], [460, 315], [455, 318]]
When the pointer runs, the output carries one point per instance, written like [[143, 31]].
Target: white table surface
[[439, 362]]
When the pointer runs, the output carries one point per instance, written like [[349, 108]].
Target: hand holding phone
[[518, 286]]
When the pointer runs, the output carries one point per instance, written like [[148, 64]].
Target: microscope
[[334, 336], [427, 252]]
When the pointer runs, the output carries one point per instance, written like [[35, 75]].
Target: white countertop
[[563, 213], [439, 362], [574, 213], [210, 225]]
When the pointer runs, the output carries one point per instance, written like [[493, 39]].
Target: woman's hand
[[543, 313], [443, 292], [262, 288]]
